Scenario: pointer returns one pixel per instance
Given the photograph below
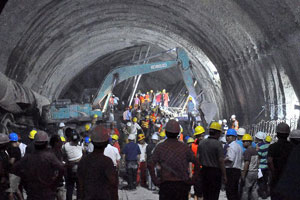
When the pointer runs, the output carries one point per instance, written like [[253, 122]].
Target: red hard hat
[[173, 126], [100, 134]]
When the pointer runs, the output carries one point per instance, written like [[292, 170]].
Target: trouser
[[275, 195], [232, 186], [250, 187], [151, 185], [177, 190], [198, 186], [263, 184], [71, 180], [131, 169], [191, 119], [212, 181], [143, 168]]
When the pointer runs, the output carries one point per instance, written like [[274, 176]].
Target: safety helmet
[[32, 134], [164, 90], [268, 139], [62, 138], [190, 98], [220, 122], [95, 116], [247, 137], [241, 131], [162, 134], [115, 137], [190, 140], [151, 90], [154, 137], [131, 137], [233, 117], [3, 138], [13, 137], [87, 127], [173, 127], [199, 130], [130, 107], [224, 121], [41, 137], [215, 126], [128, 124], [181, 129], [147, 116], [141, 137], [100, 134], [61, 124], [87, 140], [260, 135], [295, 134], [231, 132], [134, 119], [283, 128]]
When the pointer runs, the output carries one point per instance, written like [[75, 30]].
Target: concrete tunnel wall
[[254, 45]]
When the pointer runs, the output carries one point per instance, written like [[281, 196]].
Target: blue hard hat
[[87, 139], [13, 137], [231, 132], [186, 137]]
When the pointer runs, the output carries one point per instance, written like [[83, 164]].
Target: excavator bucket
[[210, 111]]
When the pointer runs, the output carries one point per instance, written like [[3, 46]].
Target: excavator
[[64, 111]]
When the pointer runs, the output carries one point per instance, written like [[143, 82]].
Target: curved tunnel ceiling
[[47, 44]]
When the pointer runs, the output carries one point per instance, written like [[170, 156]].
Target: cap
[[241, 131], [173, 127], [100, 134]]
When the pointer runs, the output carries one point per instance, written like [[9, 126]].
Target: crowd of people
[[152, 151]]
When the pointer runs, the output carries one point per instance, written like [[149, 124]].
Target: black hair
[[171, 135], [295, 141], [40, 145], [54, 140], [214, 132], [68, 133], [100, 145], [283, 136]]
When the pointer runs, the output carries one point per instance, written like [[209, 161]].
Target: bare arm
[[246, 167]]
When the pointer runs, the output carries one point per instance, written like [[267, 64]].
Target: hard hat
[[134, 119], [151, 90], [147, 116], [115, 137], [295, 134], [141, 137], [224, 121], [199, 130], [233, 116], [283, 128], [32, 134], [130, 107], [173, 127], [268, 139], [128, 124], [241, 131], [87, 127], [176, 119], [41, 137], [164, 90], [62, 138], [231, 132], [138, 111], [131, 137], [260, 135], [181, 129], [100, 134], [95, 116], [190, 98], [247, 137], [3, 138], [215, 126], [61, 124], [87, 140], [154, 137], [190, 140], [13, 137], [220, 122], [162, 134]]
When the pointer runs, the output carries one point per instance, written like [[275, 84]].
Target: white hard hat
[[131, 137], [138, 111], [224, 121], [154, 137], [260, 135], [128, 124], [233, 116], [61, 124], [176, 119], [241, 131], [206, 136]]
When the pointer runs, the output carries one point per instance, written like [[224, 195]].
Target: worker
[[126, 115], [233, 165], [146, 127], [94, 121], [96, 172], [190, 109], [40, 171], [22, 146], [4, 166], [143, 157], [30, 147], [137, 102], [73, 152], [158, 98], [147, 100], [113, 153], [166, 98], [295, 137], [14, 154], [87, 128], [190, 141], [174, 158], [211, 157], [113, 129], [115, 143], [162, 136], [149, 150], [116, 102], [263, 182], [131, 154], [259, 139], [127, 129], [61, 131], [234, 122], [250, 172], [86, 143], [277, 157], [111, 102], [240, 133], [135, 126], [224, 125]]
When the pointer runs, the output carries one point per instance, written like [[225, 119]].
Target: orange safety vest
[[153, 117], [181, 137], [235, 125], [147, 97], [194, 148]]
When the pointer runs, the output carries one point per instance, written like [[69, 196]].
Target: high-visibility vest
[[145, 124], [194, 148], [147, 98], [153, 117]]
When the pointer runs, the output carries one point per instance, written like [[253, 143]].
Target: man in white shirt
[[135, 126], [142, 145], [233, 164], [113, 153]]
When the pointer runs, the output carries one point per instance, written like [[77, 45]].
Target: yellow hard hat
[[141, 137], [87, 127], [191, 98], [32, 134], [151, 90], [115, 137], [181, 130], [268, 139], [199, 130], [162, 134], [134, 119], [215, 126], [147, 116], [95, 116], [247, 137], [164, 90], [190, 140], [63, 139]]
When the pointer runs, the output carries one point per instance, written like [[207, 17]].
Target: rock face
[[245, 53]]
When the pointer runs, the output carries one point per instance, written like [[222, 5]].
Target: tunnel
[[245, 54]]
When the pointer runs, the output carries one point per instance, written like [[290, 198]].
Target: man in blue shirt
[[190, 109], [131, 154]]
